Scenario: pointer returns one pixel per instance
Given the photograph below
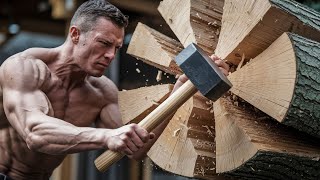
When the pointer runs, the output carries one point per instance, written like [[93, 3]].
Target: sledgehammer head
[[203, 72]]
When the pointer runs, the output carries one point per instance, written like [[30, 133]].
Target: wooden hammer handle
[[155, 118]]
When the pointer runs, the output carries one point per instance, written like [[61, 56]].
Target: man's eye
[[106, 43]]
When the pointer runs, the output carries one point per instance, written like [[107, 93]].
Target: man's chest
[[79, 106]]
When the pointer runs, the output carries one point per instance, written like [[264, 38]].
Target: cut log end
[[283, 82], [259, 148], [252, 26]]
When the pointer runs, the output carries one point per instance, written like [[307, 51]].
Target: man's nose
[[110, 53]]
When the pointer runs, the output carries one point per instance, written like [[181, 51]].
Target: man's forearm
[[54, 136]]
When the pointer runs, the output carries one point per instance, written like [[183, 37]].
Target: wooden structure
[[277, 74]]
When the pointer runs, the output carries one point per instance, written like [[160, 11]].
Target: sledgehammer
[[204, 75]]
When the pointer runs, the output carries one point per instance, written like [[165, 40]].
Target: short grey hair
[[88, 13]]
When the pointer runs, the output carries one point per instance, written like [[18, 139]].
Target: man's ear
[[74, 34]]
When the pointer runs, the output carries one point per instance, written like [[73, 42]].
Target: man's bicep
[[21, 108], [21, 81], [110, 117]]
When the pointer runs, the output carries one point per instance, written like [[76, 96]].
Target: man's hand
[[224, 67], [128, 139]]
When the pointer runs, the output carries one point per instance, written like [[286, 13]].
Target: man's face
[[97, 48]]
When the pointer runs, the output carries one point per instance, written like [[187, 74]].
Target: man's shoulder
[[23, 62], [24, 69], [102, 82], [105, 85]]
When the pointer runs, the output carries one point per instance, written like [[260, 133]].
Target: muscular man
[[51, 97]]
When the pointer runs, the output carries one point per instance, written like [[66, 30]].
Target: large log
[[249, 145], [155, 49], [197, 21], [284, 82], [250, 26], [187, 147], [138, 103]]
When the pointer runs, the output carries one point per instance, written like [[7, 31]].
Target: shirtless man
[[51, 97]]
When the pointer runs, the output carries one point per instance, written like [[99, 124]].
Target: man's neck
[[68, 71], [70, 75]]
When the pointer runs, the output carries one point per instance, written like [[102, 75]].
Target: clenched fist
[[128, 139]]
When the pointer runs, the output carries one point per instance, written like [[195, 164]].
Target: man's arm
[[28, 108], [127, 139]]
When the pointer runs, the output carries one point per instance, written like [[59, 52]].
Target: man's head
[[96, 33], [87, 14]]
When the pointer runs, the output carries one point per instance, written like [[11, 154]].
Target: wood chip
[[159, 76], [176, 132]]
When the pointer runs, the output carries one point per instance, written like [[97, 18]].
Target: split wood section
[[187, 147], [250, 26], [249, 146], [194, 21], [155, 49], [138, 103], [284, 82]]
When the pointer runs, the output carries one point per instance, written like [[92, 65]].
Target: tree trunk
[[250, 145], [250, 26], [284, 82]]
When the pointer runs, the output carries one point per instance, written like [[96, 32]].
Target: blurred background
[[45, 23]]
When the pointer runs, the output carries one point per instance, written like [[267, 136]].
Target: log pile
[[268, 125]]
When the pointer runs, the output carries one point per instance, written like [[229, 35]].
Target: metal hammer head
[[203, 72]]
